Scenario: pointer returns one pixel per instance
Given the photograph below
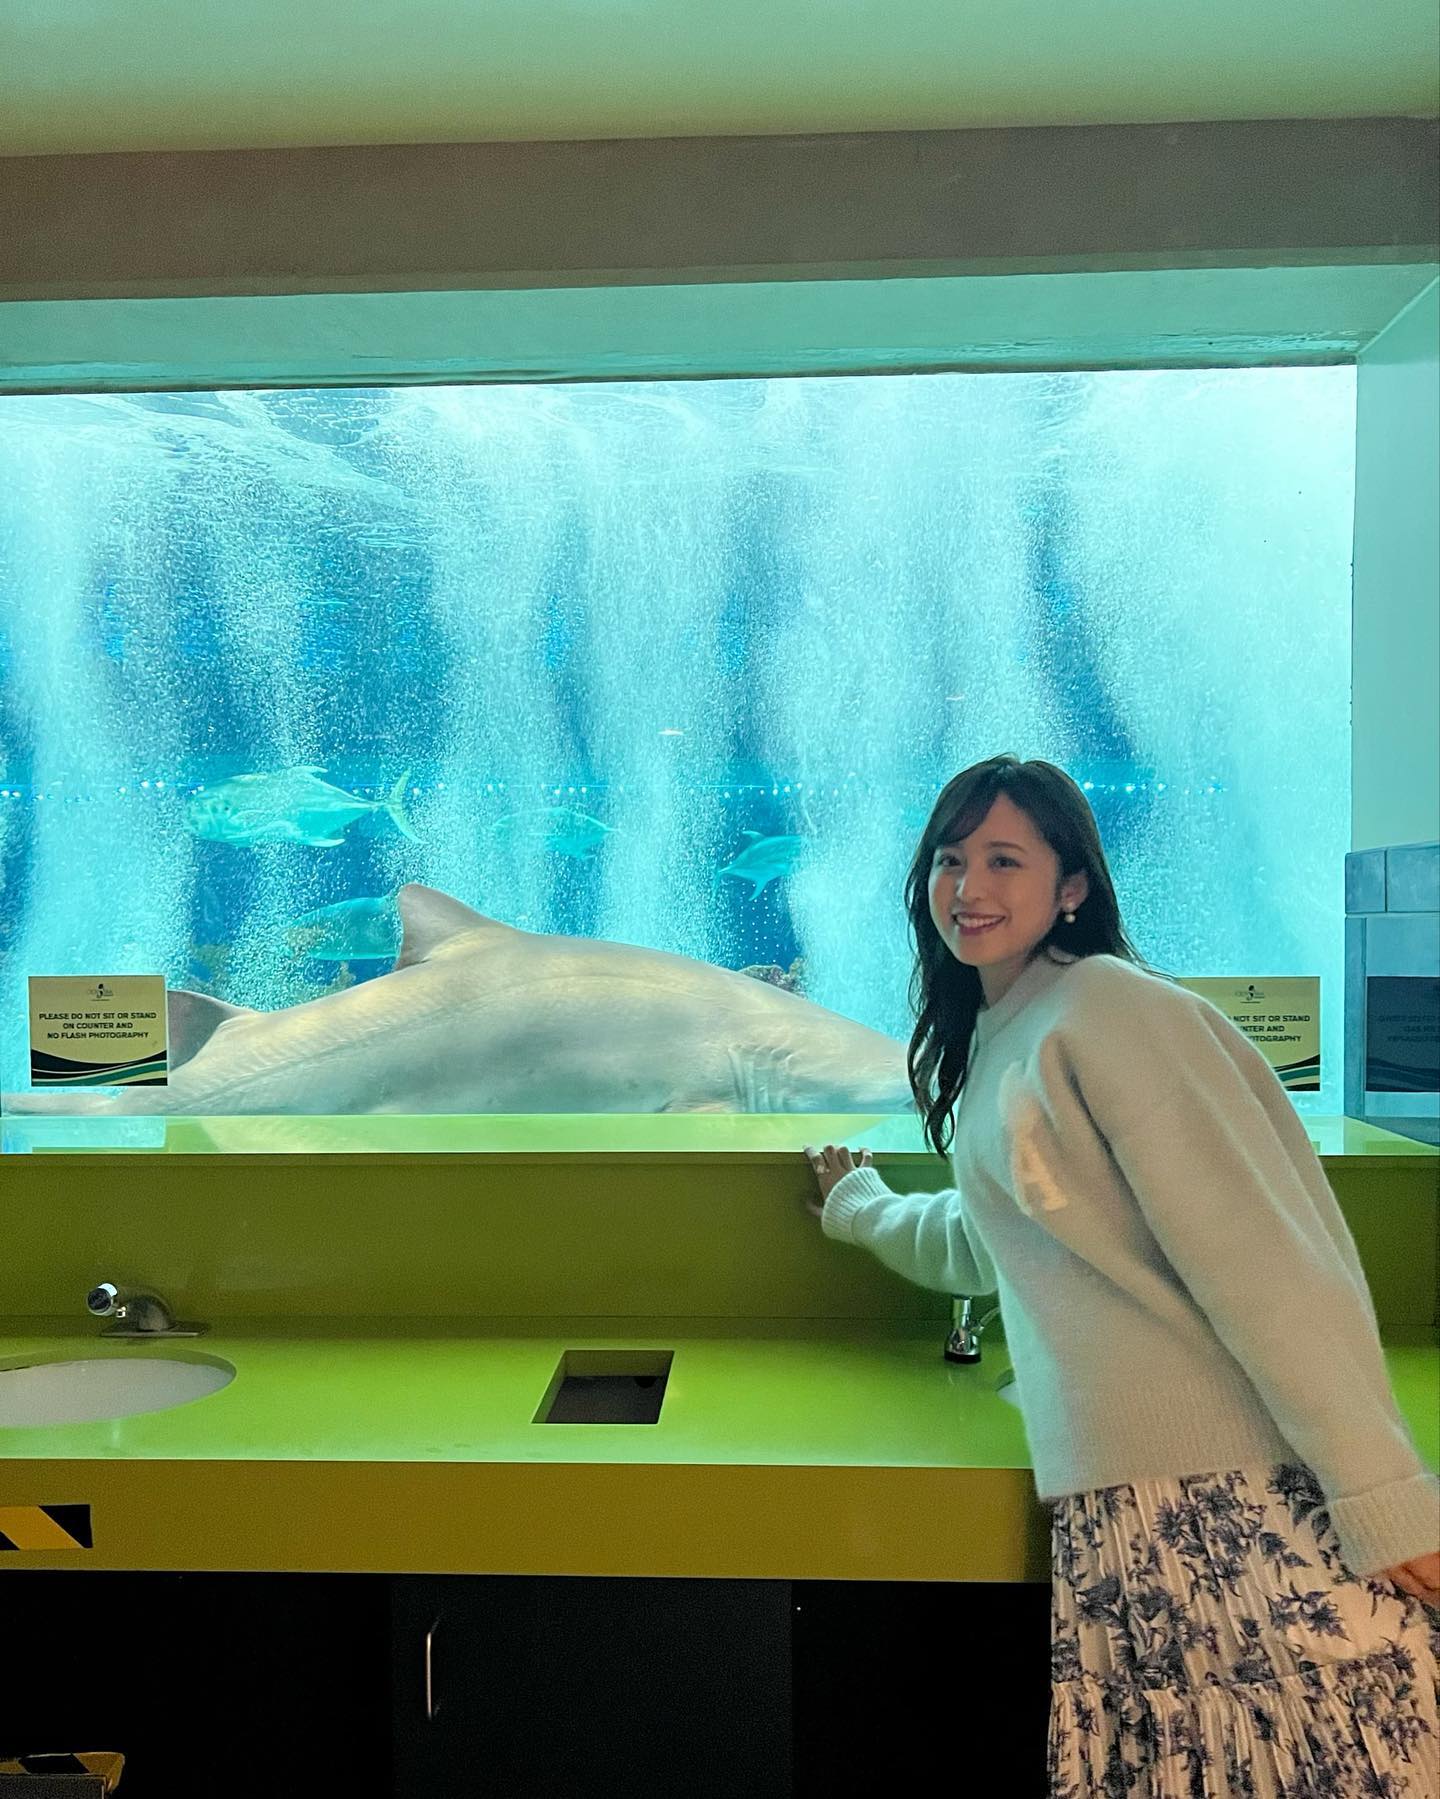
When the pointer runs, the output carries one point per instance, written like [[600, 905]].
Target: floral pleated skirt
[[1208, 1642]]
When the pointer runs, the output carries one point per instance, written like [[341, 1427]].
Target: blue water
[[685, 610]]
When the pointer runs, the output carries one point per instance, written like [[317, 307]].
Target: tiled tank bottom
[[1208, 1642]]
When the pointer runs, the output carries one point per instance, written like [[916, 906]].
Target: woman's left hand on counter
[[1420, 1576], [829, 1165]]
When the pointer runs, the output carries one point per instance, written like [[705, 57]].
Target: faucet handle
[[129, 1305], [137, 1313]]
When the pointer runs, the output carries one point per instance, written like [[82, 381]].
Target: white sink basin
[[80, 1392]]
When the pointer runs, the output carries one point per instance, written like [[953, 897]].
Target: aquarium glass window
[[662, 678]]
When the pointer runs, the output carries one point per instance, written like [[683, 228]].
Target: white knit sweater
[[1180, 1291]]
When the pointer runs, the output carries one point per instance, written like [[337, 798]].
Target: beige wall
[[1294, 193], [1395, 783], [1224, 244]]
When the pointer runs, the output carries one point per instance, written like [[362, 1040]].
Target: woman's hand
[[1420, 1576], [829, 1165]]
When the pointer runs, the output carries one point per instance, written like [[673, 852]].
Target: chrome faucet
[[137, 1313], [963, 1343]]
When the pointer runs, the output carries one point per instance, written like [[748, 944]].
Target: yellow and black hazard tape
[[45, 1527], [99, 1771]]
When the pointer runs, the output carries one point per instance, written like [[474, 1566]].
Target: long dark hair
[[946, 994]]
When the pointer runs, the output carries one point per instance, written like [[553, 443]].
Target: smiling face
[[995, 895]]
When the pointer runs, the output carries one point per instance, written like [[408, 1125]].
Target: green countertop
[[715, 1136], [785, 1392], [413, 1445], [810, 1428]]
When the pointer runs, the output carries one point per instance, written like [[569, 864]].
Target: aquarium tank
[[535, 748]]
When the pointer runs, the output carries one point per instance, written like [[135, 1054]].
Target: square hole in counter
[[606, 1386]]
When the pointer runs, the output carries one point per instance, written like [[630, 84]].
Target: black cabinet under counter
[[539, 1687], [736, 1689], [524, 1687], [212, 1686], [894, 1678]]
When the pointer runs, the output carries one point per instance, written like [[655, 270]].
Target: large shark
[[477, 1016]]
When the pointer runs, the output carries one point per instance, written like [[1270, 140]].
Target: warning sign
[[1280, 1016], [45, 1527], [97, 1030]]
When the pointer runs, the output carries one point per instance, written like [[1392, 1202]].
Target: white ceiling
[[95, 75]]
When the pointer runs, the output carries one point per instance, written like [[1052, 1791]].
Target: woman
[[1243, 1535]]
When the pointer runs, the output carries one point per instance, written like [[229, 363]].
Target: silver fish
[[291, 805], [560, 829], [353, 930], [763, 860]]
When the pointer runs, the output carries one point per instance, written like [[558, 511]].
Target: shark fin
[[429, 920], [193, 1019]]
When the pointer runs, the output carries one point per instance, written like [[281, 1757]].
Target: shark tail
[[395, 806]]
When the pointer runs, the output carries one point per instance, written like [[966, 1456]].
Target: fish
[[353, 930], [763, 860], [291, 805], [215, 819], [560, 829], [477, 1016]]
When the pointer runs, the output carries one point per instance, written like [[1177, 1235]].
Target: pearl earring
[[1069, 918]]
